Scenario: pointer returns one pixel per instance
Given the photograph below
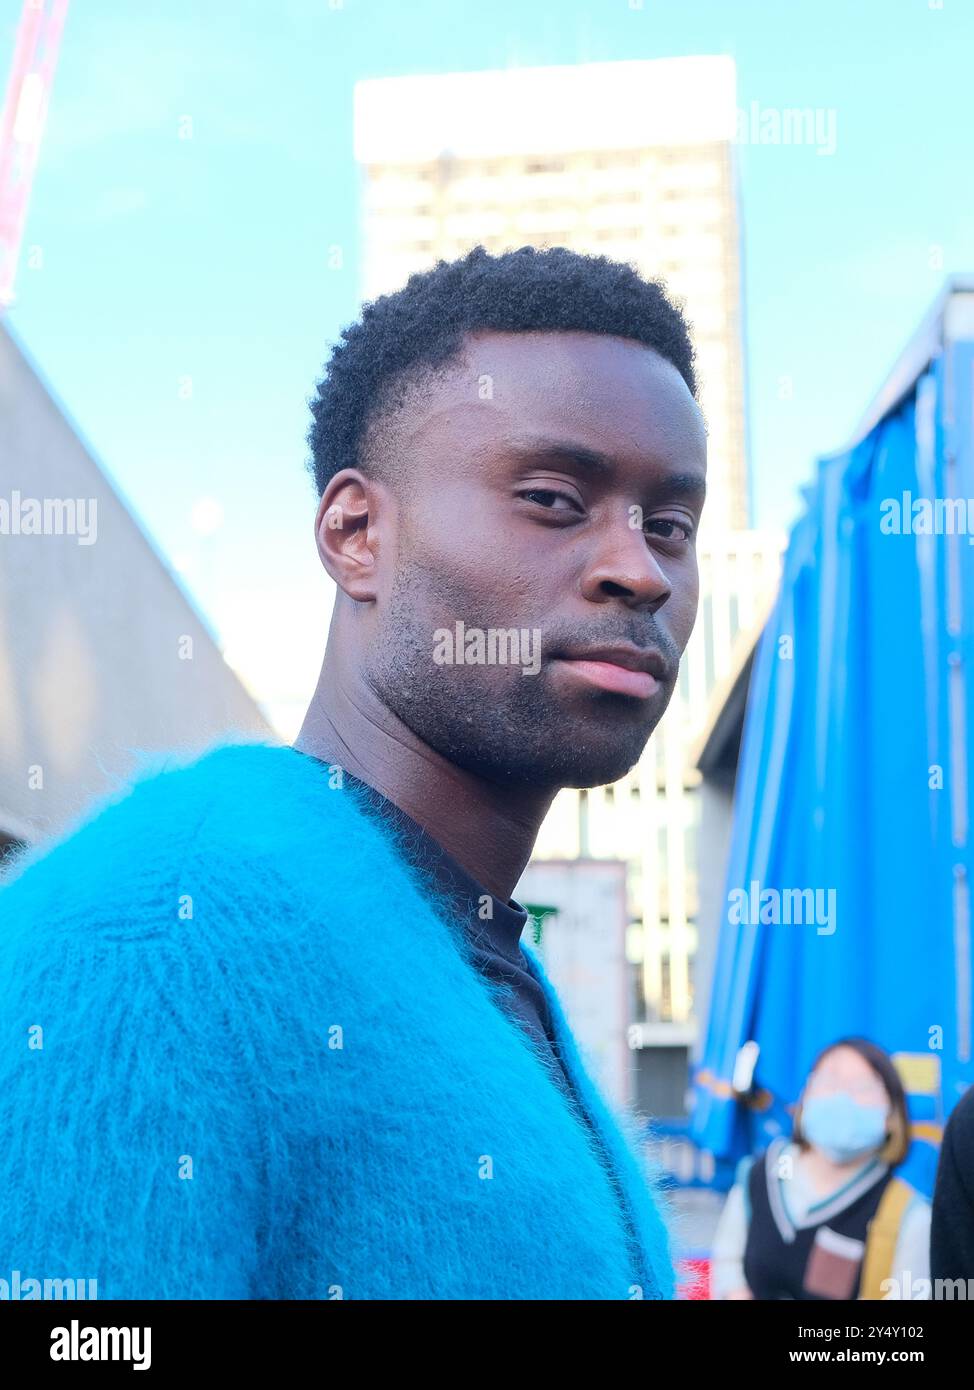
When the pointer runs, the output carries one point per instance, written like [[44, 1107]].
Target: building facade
[[102, 656]]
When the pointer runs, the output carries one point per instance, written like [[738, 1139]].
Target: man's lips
[[623, 670]]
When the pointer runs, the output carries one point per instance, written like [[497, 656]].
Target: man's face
[[549, 491]]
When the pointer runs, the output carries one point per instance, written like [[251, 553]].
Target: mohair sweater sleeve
[[131, 1148]]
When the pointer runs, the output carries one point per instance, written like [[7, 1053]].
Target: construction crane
[[22, 126]]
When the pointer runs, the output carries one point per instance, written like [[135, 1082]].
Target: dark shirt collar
[[502, 929]]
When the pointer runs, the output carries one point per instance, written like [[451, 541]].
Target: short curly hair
[[405, 336]]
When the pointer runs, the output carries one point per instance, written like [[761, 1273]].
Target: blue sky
[[204, 261]]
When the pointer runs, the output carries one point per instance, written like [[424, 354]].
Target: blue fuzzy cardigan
[[244, 1055]]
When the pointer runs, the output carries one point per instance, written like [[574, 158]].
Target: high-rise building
[[633, 160]]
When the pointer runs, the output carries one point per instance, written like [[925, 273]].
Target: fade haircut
[[404, 338]]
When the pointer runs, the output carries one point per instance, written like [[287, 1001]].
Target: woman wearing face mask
[[824, 1216]]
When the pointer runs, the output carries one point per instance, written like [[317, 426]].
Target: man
[[291, 1044]]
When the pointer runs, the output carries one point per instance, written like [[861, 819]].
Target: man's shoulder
[[238, 817], [258, 836], [173, 796], [162, 801]]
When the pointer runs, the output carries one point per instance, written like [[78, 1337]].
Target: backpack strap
[[881, 1237]]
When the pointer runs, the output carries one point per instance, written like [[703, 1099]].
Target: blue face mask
[[842, 1128]]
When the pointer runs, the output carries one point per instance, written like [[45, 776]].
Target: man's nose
[[624, 566]]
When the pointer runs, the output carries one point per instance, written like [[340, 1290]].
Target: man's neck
[[488, 828]]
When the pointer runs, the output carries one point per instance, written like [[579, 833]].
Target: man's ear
[[347, 532]]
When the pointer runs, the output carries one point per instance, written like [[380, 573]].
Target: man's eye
[[669, 528], [545, 497]]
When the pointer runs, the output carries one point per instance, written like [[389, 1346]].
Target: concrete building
[[633, 160], [102, 656]]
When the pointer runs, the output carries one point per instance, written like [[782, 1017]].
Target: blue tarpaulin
[[854, 783]]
